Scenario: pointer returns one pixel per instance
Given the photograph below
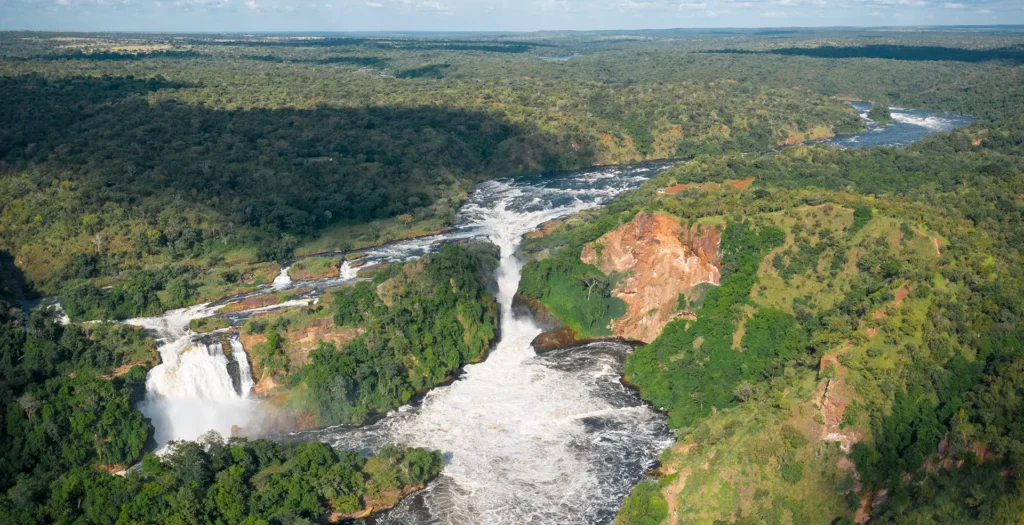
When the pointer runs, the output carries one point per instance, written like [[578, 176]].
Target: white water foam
[[192, 391], [932, 122], [347, 272], [283, 280], [528, 439]]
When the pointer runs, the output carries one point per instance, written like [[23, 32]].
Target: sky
[[491, 15]]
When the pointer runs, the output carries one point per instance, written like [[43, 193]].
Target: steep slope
[[659, 260]]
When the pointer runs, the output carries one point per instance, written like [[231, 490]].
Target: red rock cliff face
[[661, 260]]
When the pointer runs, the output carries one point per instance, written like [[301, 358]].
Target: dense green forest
[[866, 335], [193, 157], [198, 156]]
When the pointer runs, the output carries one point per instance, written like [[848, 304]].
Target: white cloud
[[952, 5]]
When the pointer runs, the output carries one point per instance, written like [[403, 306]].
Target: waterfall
[[282, 280], [239, 356], [347, 272], [192, 390], [528, 439]]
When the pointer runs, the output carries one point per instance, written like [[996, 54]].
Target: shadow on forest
[[431, 71], [414, 44], [893, 52], [277, 169], [13, 286], [106, 56], [347, 60]]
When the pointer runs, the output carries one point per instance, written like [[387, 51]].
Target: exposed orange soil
[[901, 294], [125, 368], [833, 359], [387, 499], [671, 495], [741, 184], [298, 343], [659, 259], [545, 229], [672, 491], [113, 469]]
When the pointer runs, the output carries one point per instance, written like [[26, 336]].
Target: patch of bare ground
[[707, 186], [883, 312], [299, 342], [545, 229], [672, 490], [660, 259], [868, 502], [935, 240], [257, 301], [821, 420], [113, 469]]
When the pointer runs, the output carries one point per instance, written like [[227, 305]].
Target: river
[[527, 439], [908, 126]]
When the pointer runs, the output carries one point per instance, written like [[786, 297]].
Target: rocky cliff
[[660, 259]]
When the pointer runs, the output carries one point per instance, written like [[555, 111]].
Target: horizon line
[[510, 31]]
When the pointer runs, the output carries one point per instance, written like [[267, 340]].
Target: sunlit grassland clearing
[[315, 268], [751, 462], [818, 279], [344, 238]]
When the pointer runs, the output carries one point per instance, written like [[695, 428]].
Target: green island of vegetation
[[880, 113], [369, 347]]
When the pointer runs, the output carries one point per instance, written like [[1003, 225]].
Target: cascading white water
[[283, 280], [238, 355], [516, 427], [192, 390], [528, 439], [347, 272]]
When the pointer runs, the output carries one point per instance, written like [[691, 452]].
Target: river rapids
[[527, 438]]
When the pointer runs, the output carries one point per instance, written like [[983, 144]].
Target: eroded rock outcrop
[[660, 259]]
